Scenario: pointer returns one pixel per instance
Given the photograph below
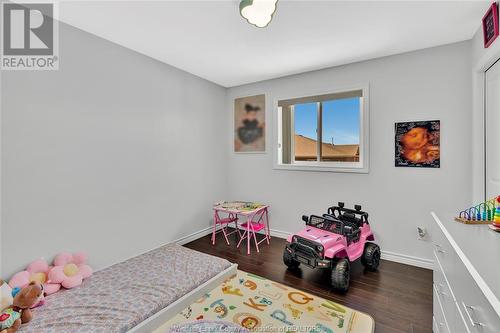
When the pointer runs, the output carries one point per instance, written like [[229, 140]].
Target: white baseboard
[[408, 260], [386, 255], [195, 235], [279, 233]]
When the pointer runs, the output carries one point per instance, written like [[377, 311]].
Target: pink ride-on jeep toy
[[333, 241]]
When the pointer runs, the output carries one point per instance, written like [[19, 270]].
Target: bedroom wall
[[428, 84], [114, 154]]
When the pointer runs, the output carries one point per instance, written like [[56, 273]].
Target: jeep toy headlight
[[294, 239], [320, 248]]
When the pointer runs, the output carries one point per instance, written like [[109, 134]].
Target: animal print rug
[[261, 305]]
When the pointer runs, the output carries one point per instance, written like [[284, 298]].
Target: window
[[323, 132]]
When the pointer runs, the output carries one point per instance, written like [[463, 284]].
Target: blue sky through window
[[306, 120], [340, 121]]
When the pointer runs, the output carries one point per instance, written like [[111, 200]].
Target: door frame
[[497, 62], [488, 59]]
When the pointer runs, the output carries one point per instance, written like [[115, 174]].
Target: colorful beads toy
[[484, 213]]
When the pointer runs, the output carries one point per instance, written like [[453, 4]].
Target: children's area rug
[[248, 302]]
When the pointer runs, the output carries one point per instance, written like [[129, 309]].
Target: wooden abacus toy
[[484, 213]]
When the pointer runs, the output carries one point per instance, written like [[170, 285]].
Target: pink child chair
[[224, 223], [251, 228]]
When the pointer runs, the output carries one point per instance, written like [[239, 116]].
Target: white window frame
[[349, 167]]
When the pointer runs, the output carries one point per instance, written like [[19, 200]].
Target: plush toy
[[70, 269], [20, 313], [37, 271], [6, 297]]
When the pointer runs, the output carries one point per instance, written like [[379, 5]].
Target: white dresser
[[466, 277]]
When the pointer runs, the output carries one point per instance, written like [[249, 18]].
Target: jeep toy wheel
[[289, 261], [341, 275], [371, 256]]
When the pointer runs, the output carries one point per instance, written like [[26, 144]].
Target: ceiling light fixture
[[258, 12]]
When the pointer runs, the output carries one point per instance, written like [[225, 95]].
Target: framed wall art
[[490, 25], [250, 124], [418, 144]]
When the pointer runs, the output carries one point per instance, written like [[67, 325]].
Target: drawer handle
[[469, 316], [439, 248]]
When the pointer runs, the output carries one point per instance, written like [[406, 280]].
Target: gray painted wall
[[424, 85], [117, 153], [114, 154]]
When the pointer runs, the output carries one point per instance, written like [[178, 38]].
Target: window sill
[[321, 168]]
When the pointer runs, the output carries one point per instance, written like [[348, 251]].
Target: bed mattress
[[121, 296]]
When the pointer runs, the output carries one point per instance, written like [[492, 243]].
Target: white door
[[492, 127]]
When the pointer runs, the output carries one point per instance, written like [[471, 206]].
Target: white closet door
[[493, 131]]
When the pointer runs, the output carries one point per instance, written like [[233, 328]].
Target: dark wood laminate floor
[[397, 296]]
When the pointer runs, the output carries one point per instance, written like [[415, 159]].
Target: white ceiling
[[211, 40]]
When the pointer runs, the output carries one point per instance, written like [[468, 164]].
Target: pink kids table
[[256, 216]]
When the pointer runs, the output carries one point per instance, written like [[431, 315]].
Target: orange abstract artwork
[[418, 144]]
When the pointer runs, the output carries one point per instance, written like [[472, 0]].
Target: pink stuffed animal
[[37, 271], [70, 269]]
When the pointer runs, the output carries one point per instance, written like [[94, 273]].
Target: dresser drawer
[[446, 298], [441, 283], [435, 327], [443, 292], [473, 313], [478, 314], [444, 253], [440, 324]]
